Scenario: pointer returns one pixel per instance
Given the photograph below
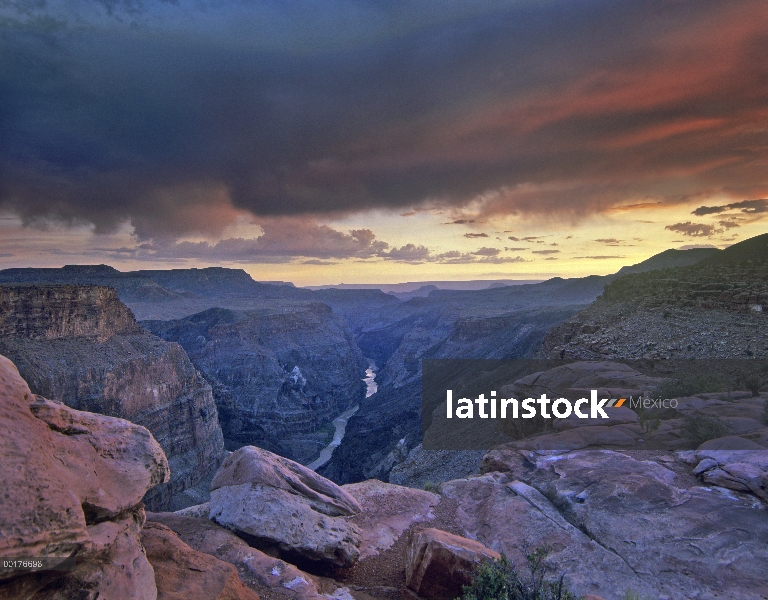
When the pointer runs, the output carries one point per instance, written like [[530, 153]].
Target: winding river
[[340, 422]]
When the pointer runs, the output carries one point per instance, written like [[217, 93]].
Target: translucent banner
[[571, 405]]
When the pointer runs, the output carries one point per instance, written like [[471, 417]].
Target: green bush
[[430, 487], [700, 428], [498, 580]]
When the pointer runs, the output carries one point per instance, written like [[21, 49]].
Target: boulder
[[275, 501], [258, 570], [741, 470], [439, 563], [388, 512], [182, 573], [113, 566], [72, 486], [254, 465], [112, 462]]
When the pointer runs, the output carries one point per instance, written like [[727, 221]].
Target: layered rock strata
[[81, 345], [279, 376]]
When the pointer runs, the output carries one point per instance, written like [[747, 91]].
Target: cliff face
[[63, 311], [713, 309], [80, 345], [277, 376]]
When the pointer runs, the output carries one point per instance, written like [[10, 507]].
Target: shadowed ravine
[[340, 422]]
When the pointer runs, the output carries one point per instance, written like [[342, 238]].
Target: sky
[[372, 141]]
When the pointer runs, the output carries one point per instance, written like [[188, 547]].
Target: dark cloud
[[475, 235], [487, 252], [745, 206], [408, 253], [282, 240], [460, 222], [546, 251], [608, 241], [694, 229], [514, 249], [696, 246], [729, 224], [709, 210], [180, 116], [513, 238]]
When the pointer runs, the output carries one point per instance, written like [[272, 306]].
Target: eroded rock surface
[[72, 483], [278, 502], [182, 573], [617, 521], [388, 511], [257, 569]]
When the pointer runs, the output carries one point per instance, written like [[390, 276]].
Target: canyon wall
[[279, 375], [80, 345]]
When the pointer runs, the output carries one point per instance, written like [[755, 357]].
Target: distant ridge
[[755, 248], [157, 285], [410, 286], [670, 259]]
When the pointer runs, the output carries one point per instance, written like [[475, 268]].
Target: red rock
[[258, 570], [182, 573], [439, 564], [72, 483]]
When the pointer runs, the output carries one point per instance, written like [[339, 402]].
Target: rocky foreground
[[663, 524]]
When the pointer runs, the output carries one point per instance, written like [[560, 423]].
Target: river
[[340, 422]]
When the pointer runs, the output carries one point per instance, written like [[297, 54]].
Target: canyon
[[235, 388]]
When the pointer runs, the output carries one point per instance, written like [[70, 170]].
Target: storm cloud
[[179, 117]]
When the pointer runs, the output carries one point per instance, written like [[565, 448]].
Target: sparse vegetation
[[498, 580], [632, 595], [430, 486], [689, 385], [752, 383], [701, 428], [649, 420]]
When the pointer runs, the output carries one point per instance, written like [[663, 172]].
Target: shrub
[[498, 580], [430, 487], [752, 383], [700, 428], [649, 420]]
